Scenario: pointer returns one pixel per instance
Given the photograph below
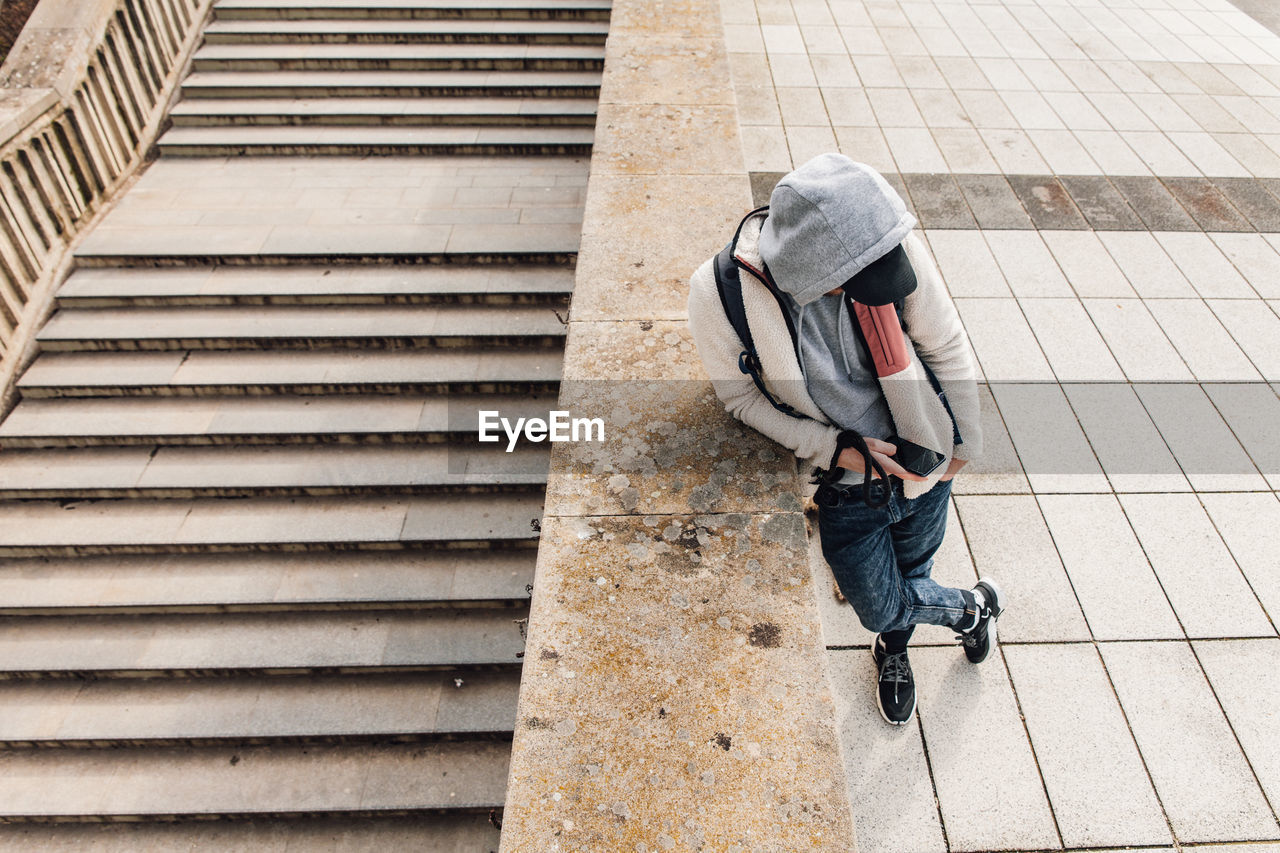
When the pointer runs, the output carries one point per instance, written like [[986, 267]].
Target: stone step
[[248, 373], [115, 287], [373, 141], [264, 582], [212, 525], [406, 707], [266, 471], [247, 10], [445, 832], [158, 784], [246, 644], [393, 84], [397, 57], [372, 31], [392, 112], [277, 420], [305, 327]]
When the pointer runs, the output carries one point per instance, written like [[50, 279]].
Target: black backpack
[[729, 286]]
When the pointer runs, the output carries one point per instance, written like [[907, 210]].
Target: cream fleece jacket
[[934, 334]]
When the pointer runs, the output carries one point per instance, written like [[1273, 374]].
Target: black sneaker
[[981, 638], [895, 688]]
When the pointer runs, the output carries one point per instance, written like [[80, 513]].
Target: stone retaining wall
[[82, 94], [675, 693]]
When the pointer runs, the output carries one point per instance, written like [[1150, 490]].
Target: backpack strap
[[729, 286], [864, 318]]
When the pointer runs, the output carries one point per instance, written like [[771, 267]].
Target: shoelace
[[896, 669]]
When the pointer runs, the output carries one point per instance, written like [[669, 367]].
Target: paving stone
[[1207, 205], [1118, 592], [1051, 445], [1153, 202], [1073, 347], [1248, 524], [669, 140], [664, 244], [972, 731], [1027, 263], [1003, 341], [1249, 703], [723, 577], [1047, 201], [1253, 330], [1136, 340], [669, 445], [1188, 555], [1254, 258], [1204, 265], [964, 150], [1208, 349], [1201, 441], [966, 264], [890, 784], [1097, 786], [1087, 264], [997, 470], [1146, 264], [993, 202], [1102, 205], [1127, 444], [1176, 721], [652, 70], [762, 184], [1250, 410], [1010, 543], [938, 202]]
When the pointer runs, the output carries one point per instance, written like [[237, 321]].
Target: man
[[856, 342]]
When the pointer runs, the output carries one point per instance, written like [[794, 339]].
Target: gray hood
[[828, 220]]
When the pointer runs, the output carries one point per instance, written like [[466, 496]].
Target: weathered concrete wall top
[[675, 694]]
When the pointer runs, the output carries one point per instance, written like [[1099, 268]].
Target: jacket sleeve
[[940, 341], [719, 347]]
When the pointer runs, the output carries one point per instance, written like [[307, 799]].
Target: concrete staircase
[[394, 77], [260, 586]]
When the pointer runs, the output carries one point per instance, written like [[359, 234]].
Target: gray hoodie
[[828, 220]]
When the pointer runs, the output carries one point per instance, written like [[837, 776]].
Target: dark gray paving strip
[[1079, 202], [1253, 199], [1154, 204], [1048, 202], [1101, 203], [993, 202], [1208, 206], [938, 201]]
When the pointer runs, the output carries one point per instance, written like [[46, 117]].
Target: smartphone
[[918, 460]]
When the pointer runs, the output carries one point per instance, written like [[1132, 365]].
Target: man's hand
[[851, 460], [953, 469]]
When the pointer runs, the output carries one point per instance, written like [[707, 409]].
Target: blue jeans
[[881, 560]]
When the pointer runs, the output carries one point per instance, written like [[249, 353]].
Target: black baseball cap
[[883, 281]]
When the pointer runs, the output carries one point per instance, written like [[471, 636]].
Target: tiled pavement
[[1099, 181]]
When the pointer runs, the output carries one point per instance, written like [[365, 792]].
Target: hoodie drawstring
[[844, 352]]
